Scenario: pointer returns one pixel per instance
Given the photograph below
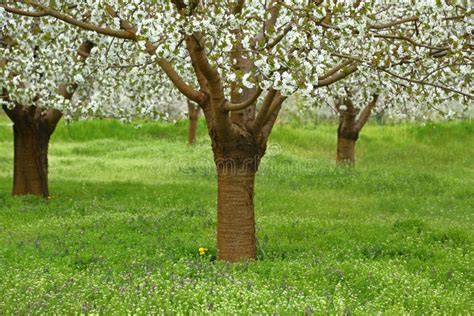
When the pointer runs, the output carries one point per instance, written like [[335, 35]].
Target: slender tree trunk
[[193, 114], [32, 130], [235, 217]]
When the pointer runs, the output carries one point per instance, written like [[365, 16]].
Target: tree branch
[[277, 39], [335, 69], [393, 23], [52, 117], [221, 118], [422, 82], [271, 117], [46, 11], [11, 113], [242, 105], [338, 76], [180, 84], [22, 12], [210, 73], [365, 114], [262, 113], [274, 10], [411, 41], [239, 6], [274, 107]]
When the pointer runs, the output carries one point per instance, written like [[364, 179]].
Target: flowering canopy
[[405, 48]]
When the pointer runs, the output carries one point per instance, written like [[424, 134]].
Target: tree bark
[[193, 114], [236, 239], [347, 135], [236, 163], [30, 175], [345, 151], [32, 130]]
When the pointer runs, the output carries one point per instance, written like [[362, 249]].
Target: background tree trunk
[[32, 130], [347, 135], [349, 128], [193, 114], [345, 151], [236, 239], [30, 175]]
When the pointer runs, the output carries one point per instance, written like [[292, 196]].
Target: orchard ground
[[131, 205]]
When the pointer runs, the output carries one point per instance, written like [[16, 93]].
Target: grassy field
[[132, 204]]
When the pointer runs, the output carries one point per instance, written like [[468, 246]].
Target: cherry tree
[[33, 109], [47, 77], [240, 60], [399, 100], [422, 63]]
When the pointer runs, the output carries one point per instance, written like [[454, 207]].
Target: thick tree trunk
[[236, 163], [32, 130], [236, 239], [30, 175], [193, 114]]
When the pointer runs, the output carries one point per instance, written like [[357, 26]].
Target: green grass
[[131, 205]]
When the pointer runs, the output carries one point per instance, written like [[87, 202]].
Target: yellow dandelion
[[202, 251]]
